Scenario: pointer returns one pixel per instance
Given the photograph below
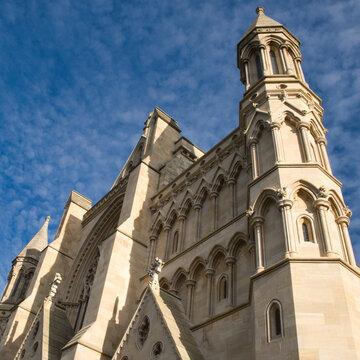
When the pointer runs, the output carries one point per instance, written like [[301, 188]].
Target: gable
[[158, 330], [49, 332]]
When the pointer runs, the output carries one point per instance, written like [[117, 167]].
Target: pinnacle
[[38, 242]]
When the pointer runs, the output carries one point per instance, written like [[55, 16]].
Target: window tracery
[[85, 294], [143, 331]]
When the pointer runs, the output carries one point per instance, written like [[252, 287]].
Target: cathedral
[[242, 252]]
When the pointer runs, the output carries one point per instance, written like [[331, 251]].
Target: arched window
[[274, 64], [274, 321], [18, 281], [306, 230], [85, 294], [175, 244], [259, 67], [28, 278], [222, 288]]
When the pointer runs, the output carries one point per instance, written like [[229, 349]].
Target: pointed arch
[[261, 200], [304, 185], [214, 253], [198, 261], [172, 216], [337, 203], [177, 275], [186, 204], [157, 225], [238, 240]]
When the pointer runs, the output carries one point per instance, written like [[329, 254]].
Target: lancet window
[[274, 321], [259, 68], [274, 64], [85, 294]]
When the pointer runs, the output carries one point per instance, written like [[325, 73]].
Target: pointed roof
[[261, 21], [50, 330], [170, 318], [38, 243]]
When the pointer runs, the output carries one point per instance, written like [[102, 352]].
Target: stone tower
[[304, 258]]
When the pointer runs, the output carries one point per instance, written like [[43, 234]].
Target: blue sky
[[78, 79]]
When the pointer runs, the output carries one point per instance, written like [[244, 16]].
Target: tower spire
[[38, 242]]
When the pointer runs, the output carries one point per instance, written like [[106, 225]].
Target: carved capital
[[197, 206], [209, 272], [190, 283], [275, 125], [321, 204], [167, 227], [214, 194], [303, 124], [253, 141], [153, 237], [182, 217], [285, 203], [321, 140], [230, 260], [257, 220], [343, 220]]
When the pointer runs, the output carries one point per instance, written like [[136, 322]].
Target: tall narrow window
[[274, 320], [18, 281], [274, 64], [85, 295], [259, 67], [223, 288], [305, 232], [28, 278], [175, 243]]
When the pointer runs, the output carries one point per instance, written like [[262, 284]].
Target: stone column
[[257, 223], [214, 197], [254, 162], [230, 262], [247, 76], [285, 206], [167, 229], [263, 59], [209, 273], [322, 144], [275, 133], [152, 248], [190, 284], [287, 68], [322, 205], [197, 208], [304, 128], [182, 219], [299, 69], [343, 221], [232, 183]]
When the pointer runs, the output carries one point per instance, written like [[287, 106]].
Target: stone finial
[[155, 269], [54, 285], [260, 10]]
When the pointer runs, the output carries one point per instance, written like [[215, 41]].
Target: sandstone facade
[[253, 235]]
